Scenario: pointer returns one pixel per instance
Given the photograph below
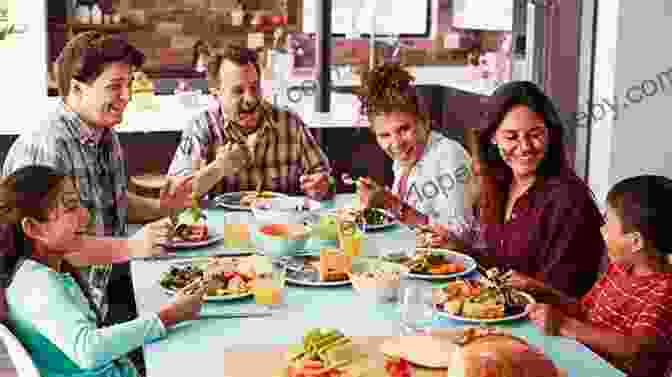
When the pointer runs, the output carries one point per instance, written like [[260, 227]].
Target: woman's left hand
[[523, 282]]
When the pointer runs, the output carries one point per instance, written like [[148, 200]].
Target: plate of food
[[327, 269], [231, 282], [477, 301], [325, 352], [243, 200], [439, 264], [367, 218], [191, 229]]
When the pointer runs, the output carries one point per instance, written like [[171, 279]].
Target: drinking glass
[[416, 309], [269, 283], [237, 230], [350, 238]]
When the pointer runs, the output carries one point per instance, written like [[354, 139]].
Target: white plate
[[216, 298], [196, 262], [213, 237], [468, 262], [530, 300], [309, 283], [373, 227], [231, 200]]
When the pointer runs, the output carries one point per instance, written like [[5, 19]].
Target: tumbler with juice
[[350, 238], [269, 282], [237, 231]]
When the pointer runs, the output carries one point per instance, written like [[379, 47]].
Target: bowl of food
[[381, 286], [279, 240], [284, 210], [379, 281]]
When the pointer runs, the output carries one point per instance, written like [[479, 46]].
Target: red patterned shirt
[[633, 305]]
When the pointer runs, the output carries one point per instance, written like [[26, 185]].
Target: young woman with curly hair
[[430, 170]]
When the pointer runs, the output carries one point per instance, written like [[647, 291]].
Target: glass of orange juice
[[269, 282], [236, 231], [350, 238]]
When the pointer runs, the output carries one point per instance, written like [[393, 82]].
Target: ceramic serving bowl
[[280, 240], [377, 281], [284, 210]]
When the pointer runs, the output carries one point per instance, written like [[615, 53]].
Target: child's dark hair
[[643, 205], [389, 88], [31, 192]]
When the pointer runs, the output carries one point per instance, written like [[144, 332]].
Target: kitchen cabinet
[[496, 15]]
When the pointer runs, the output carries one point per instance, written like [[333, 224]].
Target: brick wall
[[172, 27]]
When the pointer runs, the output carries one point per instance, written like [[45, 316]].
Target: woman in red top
[[534, 214], [627, 315]]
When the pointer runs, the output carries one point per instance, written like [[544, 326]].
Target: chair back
[[21, 359]]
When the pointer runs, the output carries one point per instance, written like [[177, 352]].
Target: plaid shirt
[[633, 305], [284, 150], [94, 157]]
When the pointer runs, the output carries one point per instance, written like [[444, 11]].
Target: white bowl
[[381, 288], [293, 238], [283, 210]]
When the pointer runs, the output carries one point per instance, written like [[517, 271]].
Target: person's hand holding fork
[[187, 304]]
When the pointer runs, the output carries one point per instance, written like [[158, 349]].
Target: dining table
[[205, 346]]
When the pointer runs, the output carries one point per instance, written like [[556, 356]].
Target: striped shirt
[[96, 159], [284, 150], [633, 305]]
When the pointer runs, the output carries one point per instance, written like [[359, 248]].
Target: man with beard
[[242, 142]]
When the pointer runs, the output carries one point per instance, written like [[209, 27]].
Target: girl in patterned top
[[430, 170], [627, 315]]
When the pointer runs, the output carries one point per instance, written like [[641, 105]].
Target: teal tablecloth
[[198, 346]]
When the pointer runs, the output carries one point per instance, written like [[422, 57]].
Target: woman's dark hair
[[31, 192], [497, 175], [643, 205]]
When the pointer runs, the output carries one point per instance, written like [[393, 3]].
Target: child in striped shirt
[[627, 315]]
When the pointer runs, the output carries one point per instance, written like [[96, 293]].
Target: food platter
[[182, 273], [232, 200], [383, 218], [480, 301], [468, 264], [213, 237], [301, 270]]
